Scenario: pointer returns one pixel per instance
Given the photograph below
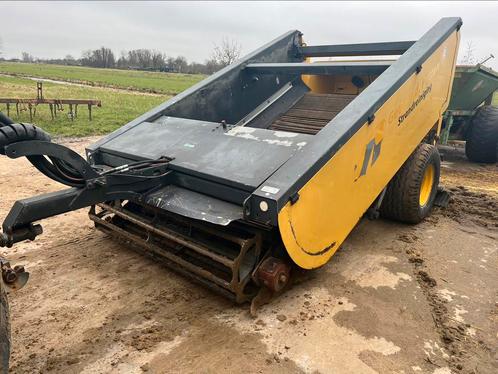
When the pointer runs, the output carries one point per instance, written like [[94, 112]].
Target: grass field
[[118, 107], [165, 83]]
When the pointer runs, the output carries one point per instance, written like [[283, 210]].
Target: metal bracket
[[373, 212]]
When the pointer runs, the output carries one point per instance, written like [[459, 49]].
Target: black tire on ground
[[4, 330], [410, 194], [18, 132], [482, 138]]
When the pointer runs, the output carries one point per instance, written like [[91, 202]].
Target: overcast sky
[[190, 29]]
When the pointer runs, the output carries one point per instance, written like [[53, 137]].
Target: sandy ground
[[394, 299]]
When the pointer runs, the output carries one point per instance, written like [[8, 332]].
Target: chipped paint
[[242, 132], [266, 136], [285, 143], [284, 134]]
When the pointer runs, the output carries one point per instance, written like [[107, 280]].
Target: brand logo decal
[[415, 104]]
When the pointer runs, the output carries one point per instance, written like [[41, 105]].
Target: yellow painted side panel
[[336, 197]]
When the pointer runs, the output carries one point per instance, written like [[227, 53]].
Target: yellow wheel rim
[[426, 186]]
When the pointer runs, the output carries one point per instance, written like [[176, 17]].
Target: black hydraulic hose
[[67, 171], [51, 171]]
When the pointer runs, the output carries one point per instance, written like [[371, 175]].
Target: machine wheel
[[18, 132], [410, 194], [482, 138], [4, 330]]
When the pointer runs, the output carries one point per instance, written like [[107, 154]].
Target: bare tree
[[98, 58], [157, 61], [181, 64], [227, 52], [469, 58], [177, 64], [27, 57]]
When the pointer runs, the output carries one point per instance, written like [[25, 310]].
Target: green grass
[[495, 99], [166, 83], [118, 107]]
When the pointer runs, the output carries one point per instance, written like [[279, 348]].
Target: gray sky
[[190, 29]]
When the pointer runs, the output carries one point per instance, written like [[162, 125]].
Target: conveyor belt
[[310, 114]]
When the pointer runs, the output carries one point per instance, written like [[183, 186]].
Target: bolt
[[9, 276], [19, 269]]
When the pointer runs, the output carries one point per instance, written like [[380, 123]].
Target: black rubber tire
[[4, 120], [4, 330], [18, 132], [482, 137], [402, 199]]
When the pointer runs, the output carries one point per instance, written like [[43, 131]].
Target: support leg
[[446, 132]]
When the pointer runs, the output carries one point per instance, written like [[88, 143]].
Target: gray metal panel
[[195, 205], [196, 97], [151, 140], [242, 157], [360, 49], [321, 68]]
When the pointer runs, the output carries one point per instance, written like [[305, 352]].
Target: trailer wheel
[[4, 330], [482, 138], [410, 194]]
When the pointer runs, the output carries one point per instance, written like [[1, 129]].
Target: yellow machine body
[[333, 201]]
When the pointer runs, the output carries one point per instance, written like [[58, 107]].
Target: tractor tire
[[482, 137], [4, 120], [4, 330], [19, 132], [410, 194]]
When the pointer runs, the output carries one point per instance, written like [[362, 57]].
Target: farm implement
[[470, 115], [262, 167]]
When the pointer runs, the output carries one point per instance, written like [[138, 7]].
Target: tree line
[[223, 54]]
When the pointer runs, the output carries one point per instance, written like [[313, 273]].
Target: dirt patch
[[451, 332], [478, 207], [460, 352]]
